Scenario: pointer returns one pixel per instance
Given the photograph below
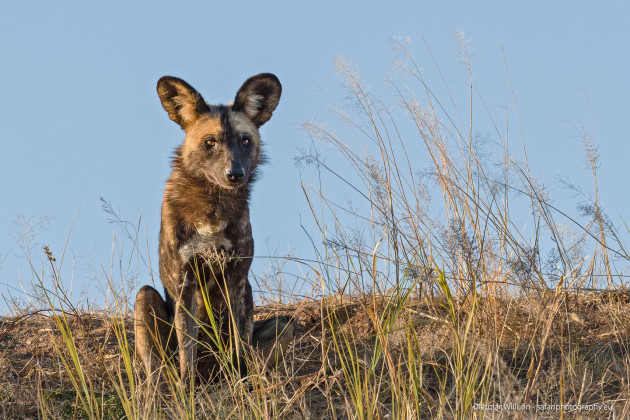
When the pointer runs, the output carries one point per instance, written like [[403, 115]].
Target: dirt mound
[[583, 339]]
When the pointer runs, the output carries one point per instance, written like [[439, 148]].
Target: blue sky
[[80, 119]]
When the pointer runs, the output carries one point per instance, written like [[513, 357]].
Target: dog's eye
[[210, 143], [246, 139]]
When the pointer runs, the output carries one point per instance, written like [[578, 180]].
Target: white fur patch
[[253, 104], [206, 242]]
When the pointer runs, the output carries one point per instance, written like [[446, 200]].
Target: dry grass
[[437, 287], [585, 361]]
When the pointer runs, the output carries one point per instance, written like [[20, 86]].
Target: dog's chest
[[211, 237], [206, 239]]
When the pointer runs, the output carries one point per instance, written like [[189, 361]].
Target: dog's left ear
[[258, 97]]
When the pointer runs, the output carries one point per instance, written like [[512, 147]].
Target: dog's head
[[222, 143]]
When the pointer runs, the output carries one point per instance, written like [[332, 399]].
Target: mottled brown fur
[[206, 242]]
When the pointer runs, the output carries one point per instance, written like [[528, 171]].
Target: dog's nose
[[234, 174]]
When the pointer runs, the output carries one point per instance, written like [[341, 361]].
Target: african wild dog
[[206, 240]]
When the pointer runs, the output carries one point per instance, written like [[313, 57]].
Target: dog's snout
[[235, 174]]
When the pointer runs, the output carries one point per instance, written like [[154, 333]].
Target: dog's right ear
[[258, 97], [182, 102]]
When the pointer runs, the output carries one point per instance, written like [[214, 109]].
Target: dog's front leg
[[246, 312], [242, 315], [187, 330]]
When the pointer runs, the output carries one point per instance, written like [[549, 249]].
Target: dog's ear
[[258, 97], [182, 102]]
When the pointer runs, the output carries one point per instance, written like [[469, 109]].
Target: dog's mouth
[[227, 184], [233, 186]]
